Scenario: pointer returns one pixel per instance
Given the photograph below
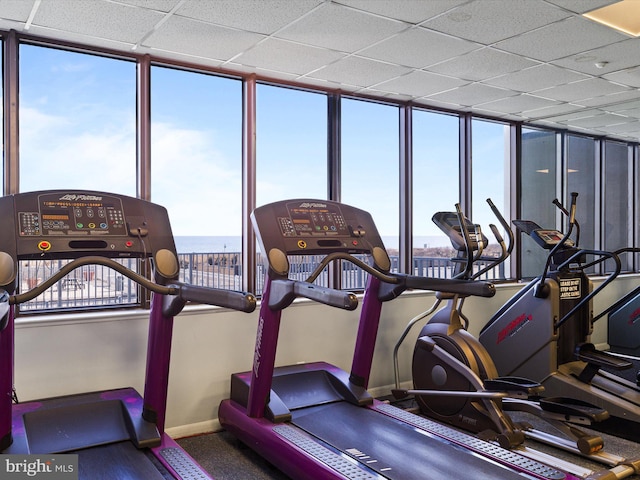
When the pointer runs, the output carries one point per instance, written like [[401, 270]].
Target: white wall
[[57, 356]]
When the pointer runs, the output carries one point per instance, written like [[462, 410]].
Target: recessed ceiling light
[[623, 16]]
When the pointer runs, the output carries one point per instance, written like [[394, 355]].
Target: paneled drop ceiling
[[539, 61]]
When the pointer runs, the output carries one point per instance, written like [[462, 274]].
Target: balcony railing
[[97, 286]]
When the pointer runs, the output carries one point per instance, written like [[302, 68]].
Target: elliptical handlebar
[[506, 249], [467, 244], [557, 203], [541, 290], [625, 298]]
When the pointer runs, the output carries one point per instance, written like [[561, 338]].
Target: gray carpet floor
[[225, 458]]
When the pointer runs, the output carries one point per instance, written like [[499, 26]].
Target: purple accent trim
[[367, 333], [265, 354], [259, 434], [6, 379], [158, 359]]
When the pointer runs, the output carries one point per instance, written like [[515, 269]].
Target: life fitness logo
[[58, 467], [634, 317], [514, 327]]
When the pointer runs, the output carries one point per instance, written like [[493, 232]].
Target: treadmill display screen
[[312, 219], [74, 214]]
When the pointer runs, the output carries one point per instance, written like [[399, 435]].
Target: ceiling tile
[[609, 58], [430, 103], [261, 16], [340, 28], [159, 5], [16, 10], [82, 39], [574, 115], [360, 72], [418, 48], [420, 84], [179, 34], [482, 64], [519, 103], [474, 94], [551, 111], [582, 6], [535, 78], [489, 22], [629, 127], [103, 20], [629, 105], [584, 89], [413, 11], [630, 77], [282, 55], [607, 101], [561, 39], [598, 120], [631, 112]]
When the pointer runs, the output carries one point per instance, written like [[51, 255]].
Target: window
[[616, 228], [77, 131], [291, 144], [490, 180], [538, 189], [196, 171], [581, 178], [291, 157], [77, 121], [436, 180], [370, 168]]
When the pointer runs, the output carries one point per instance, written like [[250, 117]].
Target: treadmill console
[[316, 227], [449, 223], [71, 224]]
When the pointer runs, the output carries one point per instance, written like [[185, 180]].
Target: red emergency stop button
[[44, 245]]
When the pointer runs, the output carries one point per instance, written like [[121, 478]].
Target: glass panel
[[581, 178], [196, 171], [617, 206], [538, 189], [370, 170], [77, 121], [436, 185], [490, 180], [291, 144], [291, 151]]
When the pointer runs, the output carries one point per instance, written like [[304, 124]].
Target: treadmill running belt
[[393, 448], [121, 461]]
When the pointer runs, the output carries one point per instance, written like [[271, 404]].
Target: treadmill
[[116, 434], [316, 421]]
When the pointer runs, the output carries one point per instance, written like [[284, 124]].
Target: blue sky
[[78, 131]]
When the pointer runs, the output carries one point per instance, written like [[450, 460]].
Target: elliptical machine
[[543, 332], [456, 381], [449, 366]]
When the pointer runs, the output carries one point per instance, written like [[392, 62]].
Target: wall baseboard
[[193, 429]]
